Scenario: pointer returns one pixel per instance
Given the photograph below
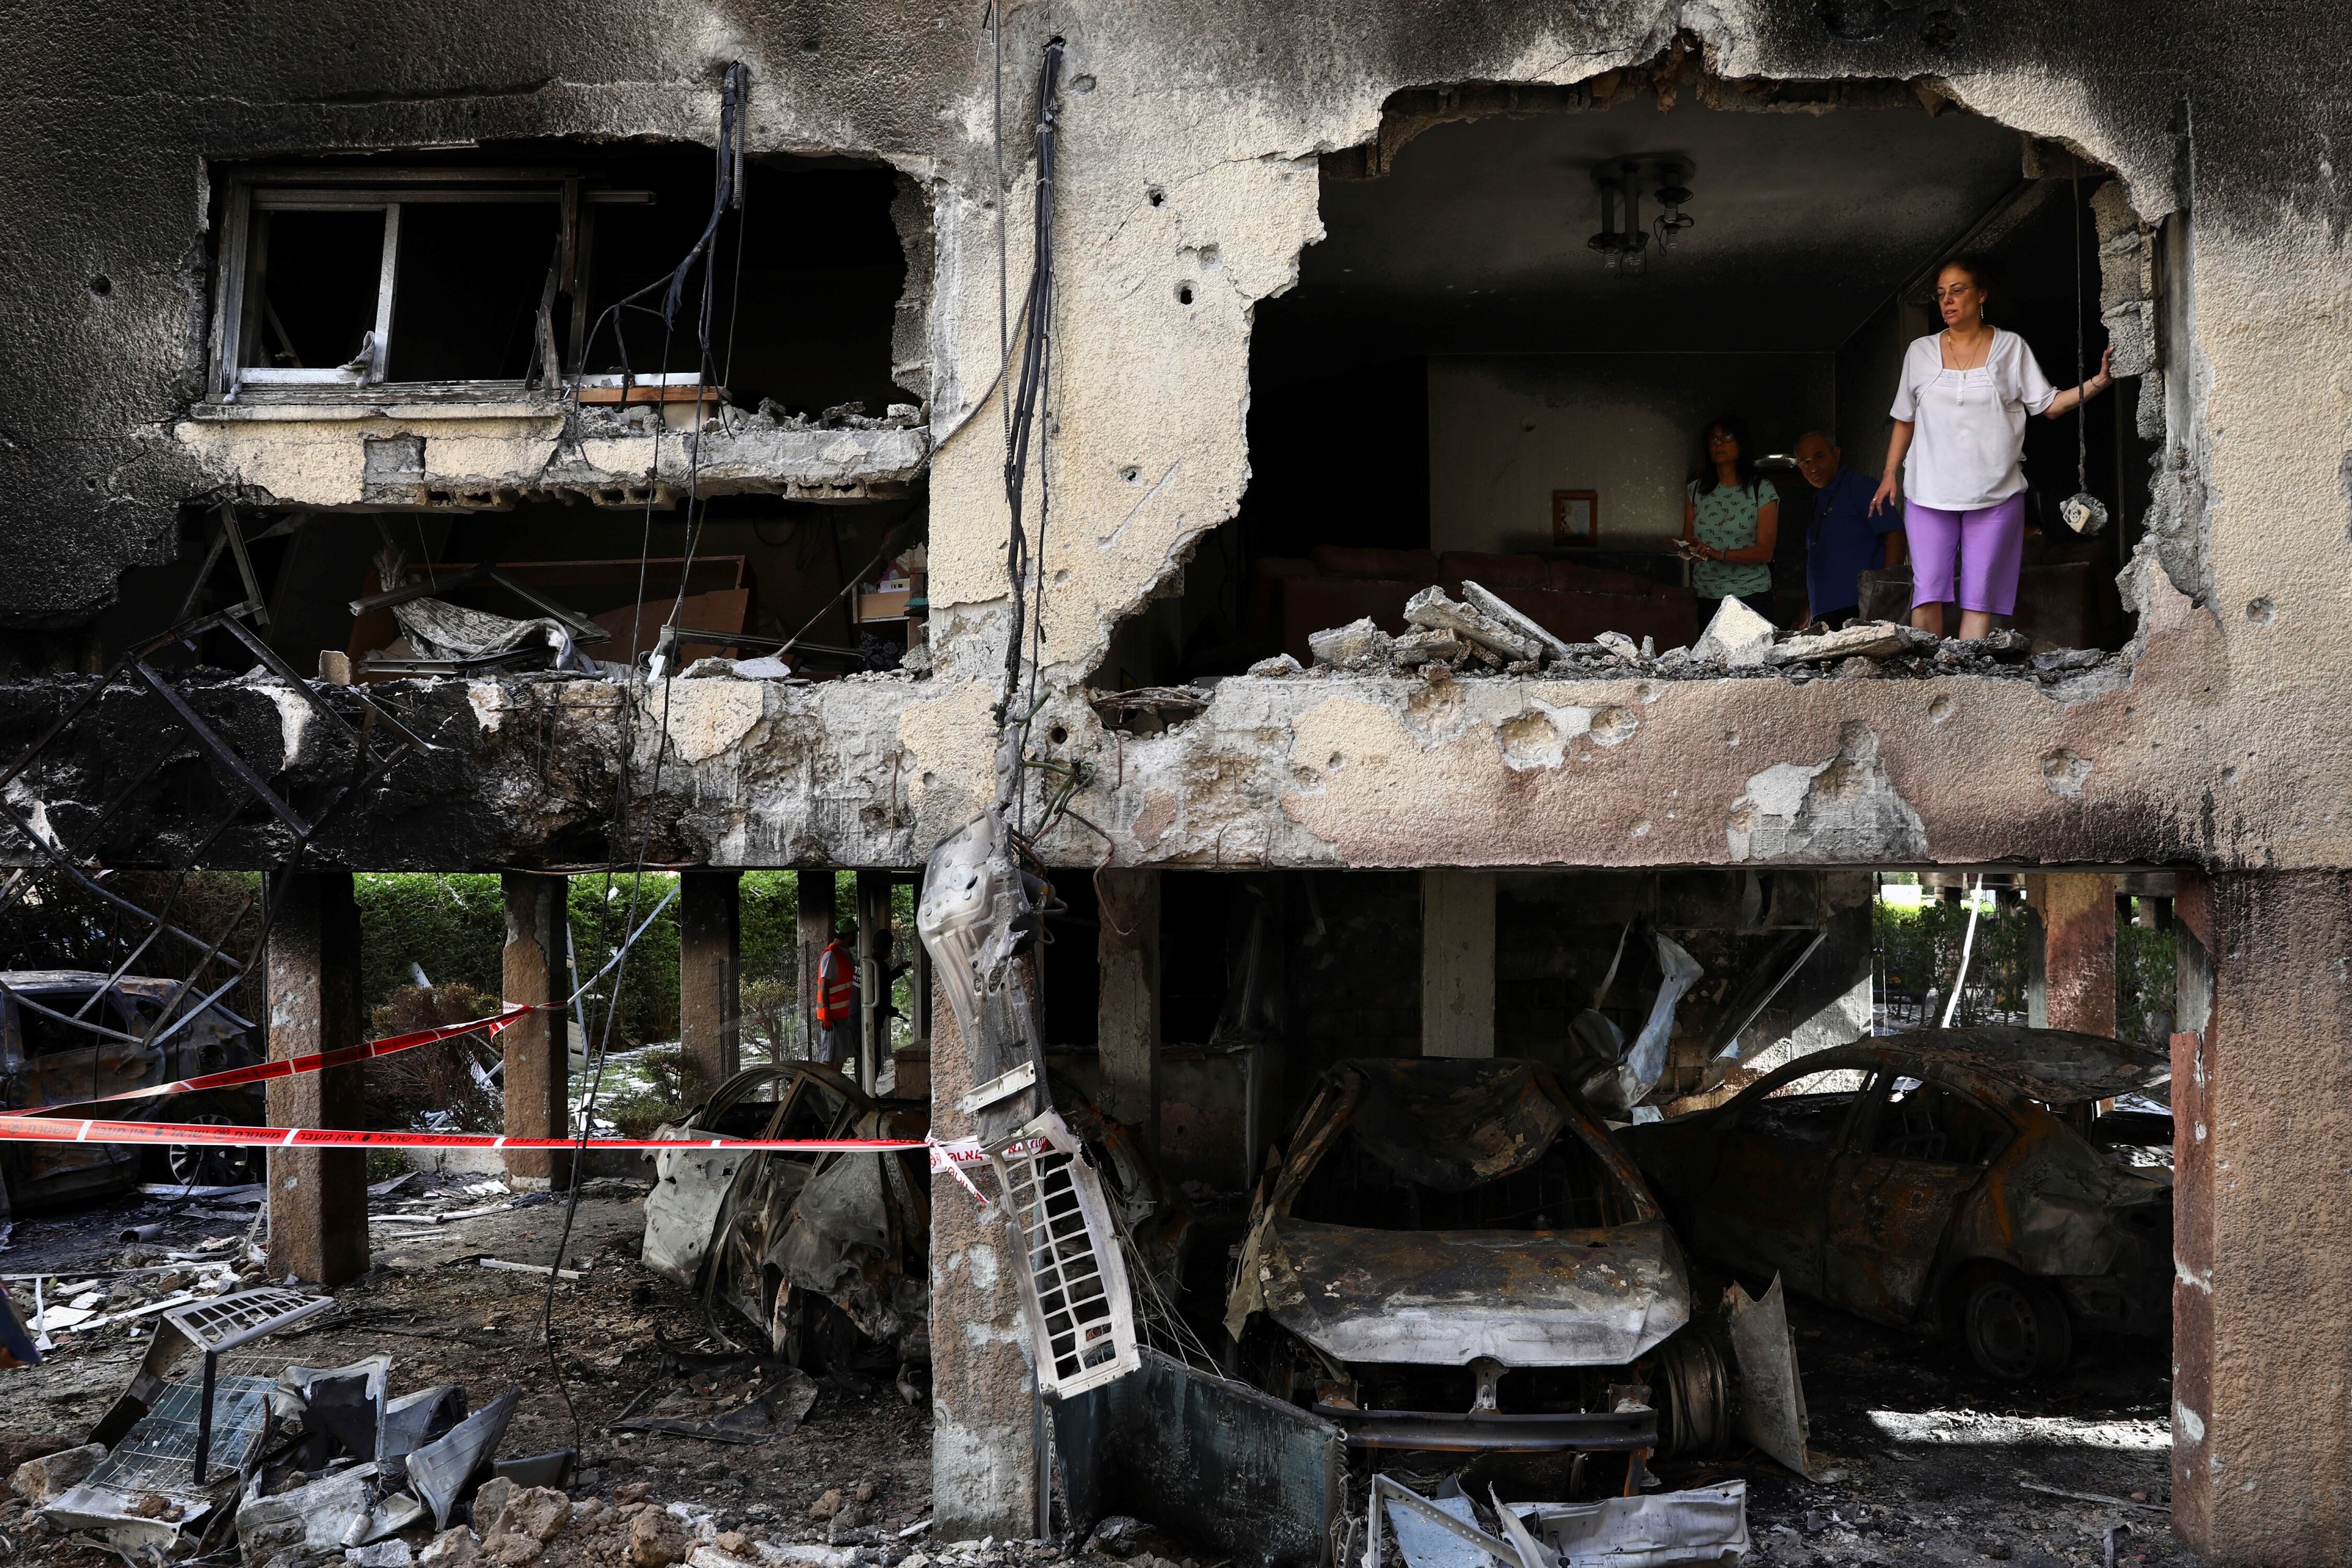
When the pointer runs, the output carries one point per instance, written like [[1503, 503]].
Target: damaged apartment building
[[1242, 453]]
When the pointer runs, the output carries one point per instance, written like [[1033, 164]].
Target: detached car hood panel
[[1568, 1297]]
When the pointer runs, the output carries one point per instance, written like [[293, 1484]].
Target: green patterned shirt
[[1726, 520]]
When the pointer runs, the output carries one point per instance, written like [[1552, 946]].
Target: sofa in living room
[[1335, 585]]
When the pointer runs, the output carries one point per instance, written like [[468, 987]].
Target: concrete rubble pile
[[1481, 635]]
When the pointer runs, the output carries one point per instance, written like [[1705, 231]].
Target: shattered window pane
[[319, 273], [470, 279]]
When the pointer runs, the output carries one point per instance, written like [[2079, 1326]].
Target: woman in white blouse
[[1959, 433]]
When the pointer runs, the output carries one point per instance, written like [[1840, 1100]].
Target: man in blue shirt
[[1842, 542]]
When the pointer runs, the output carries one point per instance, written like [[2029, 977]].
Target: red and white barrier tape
[[948, 1154], [318, 1061]]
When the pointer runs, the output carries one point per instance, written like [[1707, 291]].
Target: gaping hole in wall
[[1414, 1111], [840, 581], [1498, 365]]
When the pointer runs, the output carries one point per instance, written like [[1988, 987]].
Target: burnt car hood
[[1570, 1298]]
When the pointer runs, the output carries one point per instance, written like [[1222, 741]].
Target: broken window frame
[[238, 318]]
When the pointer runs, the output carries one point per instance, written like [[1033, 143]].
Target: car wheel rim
[[2008, 1333]]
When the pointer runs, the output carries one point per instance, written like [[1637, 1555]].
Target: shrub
[[402, 1090]]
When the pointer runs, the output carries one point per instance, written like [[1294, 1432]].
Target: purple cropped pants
[[1988, 543]]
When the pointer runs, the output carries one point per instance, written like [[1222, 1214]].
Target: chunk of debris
[[1426, 646], [658, 1539], [1487, 602], [1358, 646], [1737, 638], [1705, 1525], [1620, 646], [1280, 664], [827, 1506], [1870, 639], [1432, 609], [42, 1481]]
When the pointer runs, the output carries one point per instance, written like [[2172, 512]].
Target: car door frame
[[1887, 1220], [1801, 1267]]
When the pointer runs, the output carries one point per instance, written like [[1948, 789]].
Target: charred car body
[[1951, 1178], [1453, 1255], [73, 1035], [826, 1257]]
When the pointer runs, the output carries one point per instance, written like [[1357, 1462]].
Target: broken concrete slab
[[42, 1481], [1872, 639], [1486, 603], [1428, 646], [1737, 638], [1432, 609], [1358, 646]]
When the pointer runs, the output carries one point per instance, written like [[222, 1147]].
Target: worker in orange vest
[[836, 996]]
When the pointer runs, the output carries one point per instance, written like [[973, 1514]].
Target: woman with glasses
[[1959, 438], [1731, 520]]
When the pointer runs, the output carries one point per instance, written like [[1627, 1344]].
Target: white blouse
[[1969, 425]]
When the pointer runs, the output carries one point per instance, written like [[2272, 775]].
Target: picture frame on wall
[[1576, 517]]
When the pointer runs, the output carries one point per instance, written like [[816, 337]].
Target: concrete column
[[1457, 964], [1127, 1027], [318, 1197], [538, 1054], [813, 896], [2263, 1225], [710, 973], [983, 1446], [2078, 950], [874, 974]]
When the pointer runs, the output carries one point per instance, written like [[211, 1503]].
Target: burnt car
[[824, 1257], [1452, 1254], [1960, 1179], [72, 1035]]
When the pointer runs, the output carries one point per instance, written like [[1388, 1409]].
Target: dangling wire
[[2081, 407], [2081, 511], [1029, 391]]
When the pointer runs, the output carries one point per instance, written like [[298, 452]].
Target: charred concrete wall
[[1188, 189]]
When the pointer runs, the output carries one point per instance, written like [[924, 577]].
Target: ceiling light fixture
[[1625, 251]]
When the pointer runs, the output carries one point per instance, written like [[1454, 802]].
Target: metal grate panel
[[1072, 1272]]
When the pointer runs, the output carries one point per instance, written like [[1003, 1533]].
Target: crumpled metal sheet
[[1616, 1089], [1658, 1529], [688, 1187], [1209, 1459], [1582, 1298], [1772, 1398]]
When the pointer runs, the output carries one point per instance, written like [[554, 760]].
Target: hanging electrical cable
[[1029, 390], [2082, 511]]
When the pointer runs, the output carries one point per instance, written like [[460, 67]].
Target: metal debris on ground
[[738, 1400]]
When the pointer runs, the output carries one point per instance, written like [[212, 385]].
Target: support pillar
[[1127, 1028], [875, 975], [983, 1444], [2261, 1428], [1457, 964], [537, 1052], [2078, 950], [710, 974], [814, 898], [318, 1197]]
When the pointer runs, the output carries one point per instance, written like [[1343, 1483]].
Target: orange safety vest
[[837, 983]]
